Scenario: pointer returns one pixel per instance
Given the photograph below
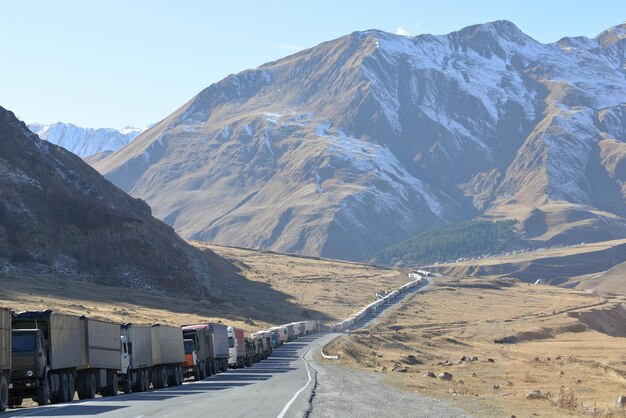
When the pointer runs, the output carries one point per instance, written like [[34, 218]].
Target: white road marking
[[295, 396]]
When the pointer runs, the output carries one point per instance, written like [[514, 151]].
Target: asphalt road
[[281, 386], [263, 390]]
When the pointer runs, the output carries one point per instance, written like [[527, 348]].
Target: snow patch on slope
[[379, 162]]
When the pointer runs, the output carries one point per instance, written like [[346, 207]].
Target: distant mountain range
[[60, 218], [85, 142], [363, 141]]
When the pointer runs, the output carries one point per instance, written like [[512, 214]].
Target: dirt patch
[[610, 321]]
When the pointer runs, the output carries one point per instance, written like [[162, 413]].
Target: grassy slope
[[265, 287], [563, 350]]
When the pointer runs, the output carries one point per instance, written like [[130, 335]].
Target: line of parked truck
[[375, 306], [51, 357]]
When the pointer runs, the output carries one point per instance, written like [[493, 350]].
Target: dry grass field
[[264, 287], [568, 345], [331, 289]]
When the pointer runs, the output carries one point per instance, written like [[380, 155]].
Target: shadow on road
[[279, 362], [68, 410]]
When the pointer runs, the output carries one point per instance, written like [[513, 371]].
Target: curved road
[[281, 386]]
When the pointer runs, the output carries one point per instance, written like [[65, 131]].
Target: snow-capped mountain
[[84, 142], [363, 141]]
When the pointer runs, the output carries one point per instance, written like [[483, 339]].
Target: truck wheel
[[90, 386], [138, 375], [138, 381], [162, 378], [71, 389], [203, 370], [43, 393], [145, 381], [179, 376], [126, 385], [111, 387], [156, 378], [63, 389], [4, 394], [80, 385]]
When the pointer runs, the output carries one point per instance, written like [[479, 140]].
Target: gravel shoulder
[[343, 392]]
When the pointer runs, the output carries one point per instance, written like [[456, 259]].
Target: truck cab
[[232, 348], [29, 358], [190, 367]]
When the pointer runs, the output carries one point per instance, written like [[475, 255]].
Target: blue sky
[[116, 63]]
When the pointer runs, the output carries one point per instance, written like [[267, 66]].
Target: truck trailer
[[101, 350], [5, 357], [168, 356], [219, 354], [264, 342], [281, 334], [237, 348], [155, 354]]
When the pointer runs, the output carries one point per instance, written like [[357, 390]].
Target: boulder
[[535, 394], [430, 374], [411, 359], [620, 401], [445, 376], [490, 360], [400, 369]]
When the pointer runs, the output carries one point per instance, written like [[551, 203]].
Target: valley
[[394, 225]]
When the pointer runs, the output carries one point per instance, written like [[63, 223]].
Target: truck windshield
[[231, 342], [190, 347], [23, 343]]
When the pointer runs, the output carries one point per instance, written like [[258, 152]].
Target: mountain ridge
[[360, 142], [61, 218]]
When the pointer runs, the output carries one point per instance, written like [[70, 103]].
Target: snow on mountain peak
[[84, 142]]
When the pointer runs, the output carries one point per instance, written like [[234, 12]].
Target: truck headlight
[[29, 373]]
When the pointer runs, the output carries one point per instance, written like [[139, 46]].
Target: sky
[[131, 63]]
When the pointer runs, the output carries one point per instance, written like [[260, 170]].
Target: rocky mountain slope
[[84, 142], [358, 143], [60, 218]]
